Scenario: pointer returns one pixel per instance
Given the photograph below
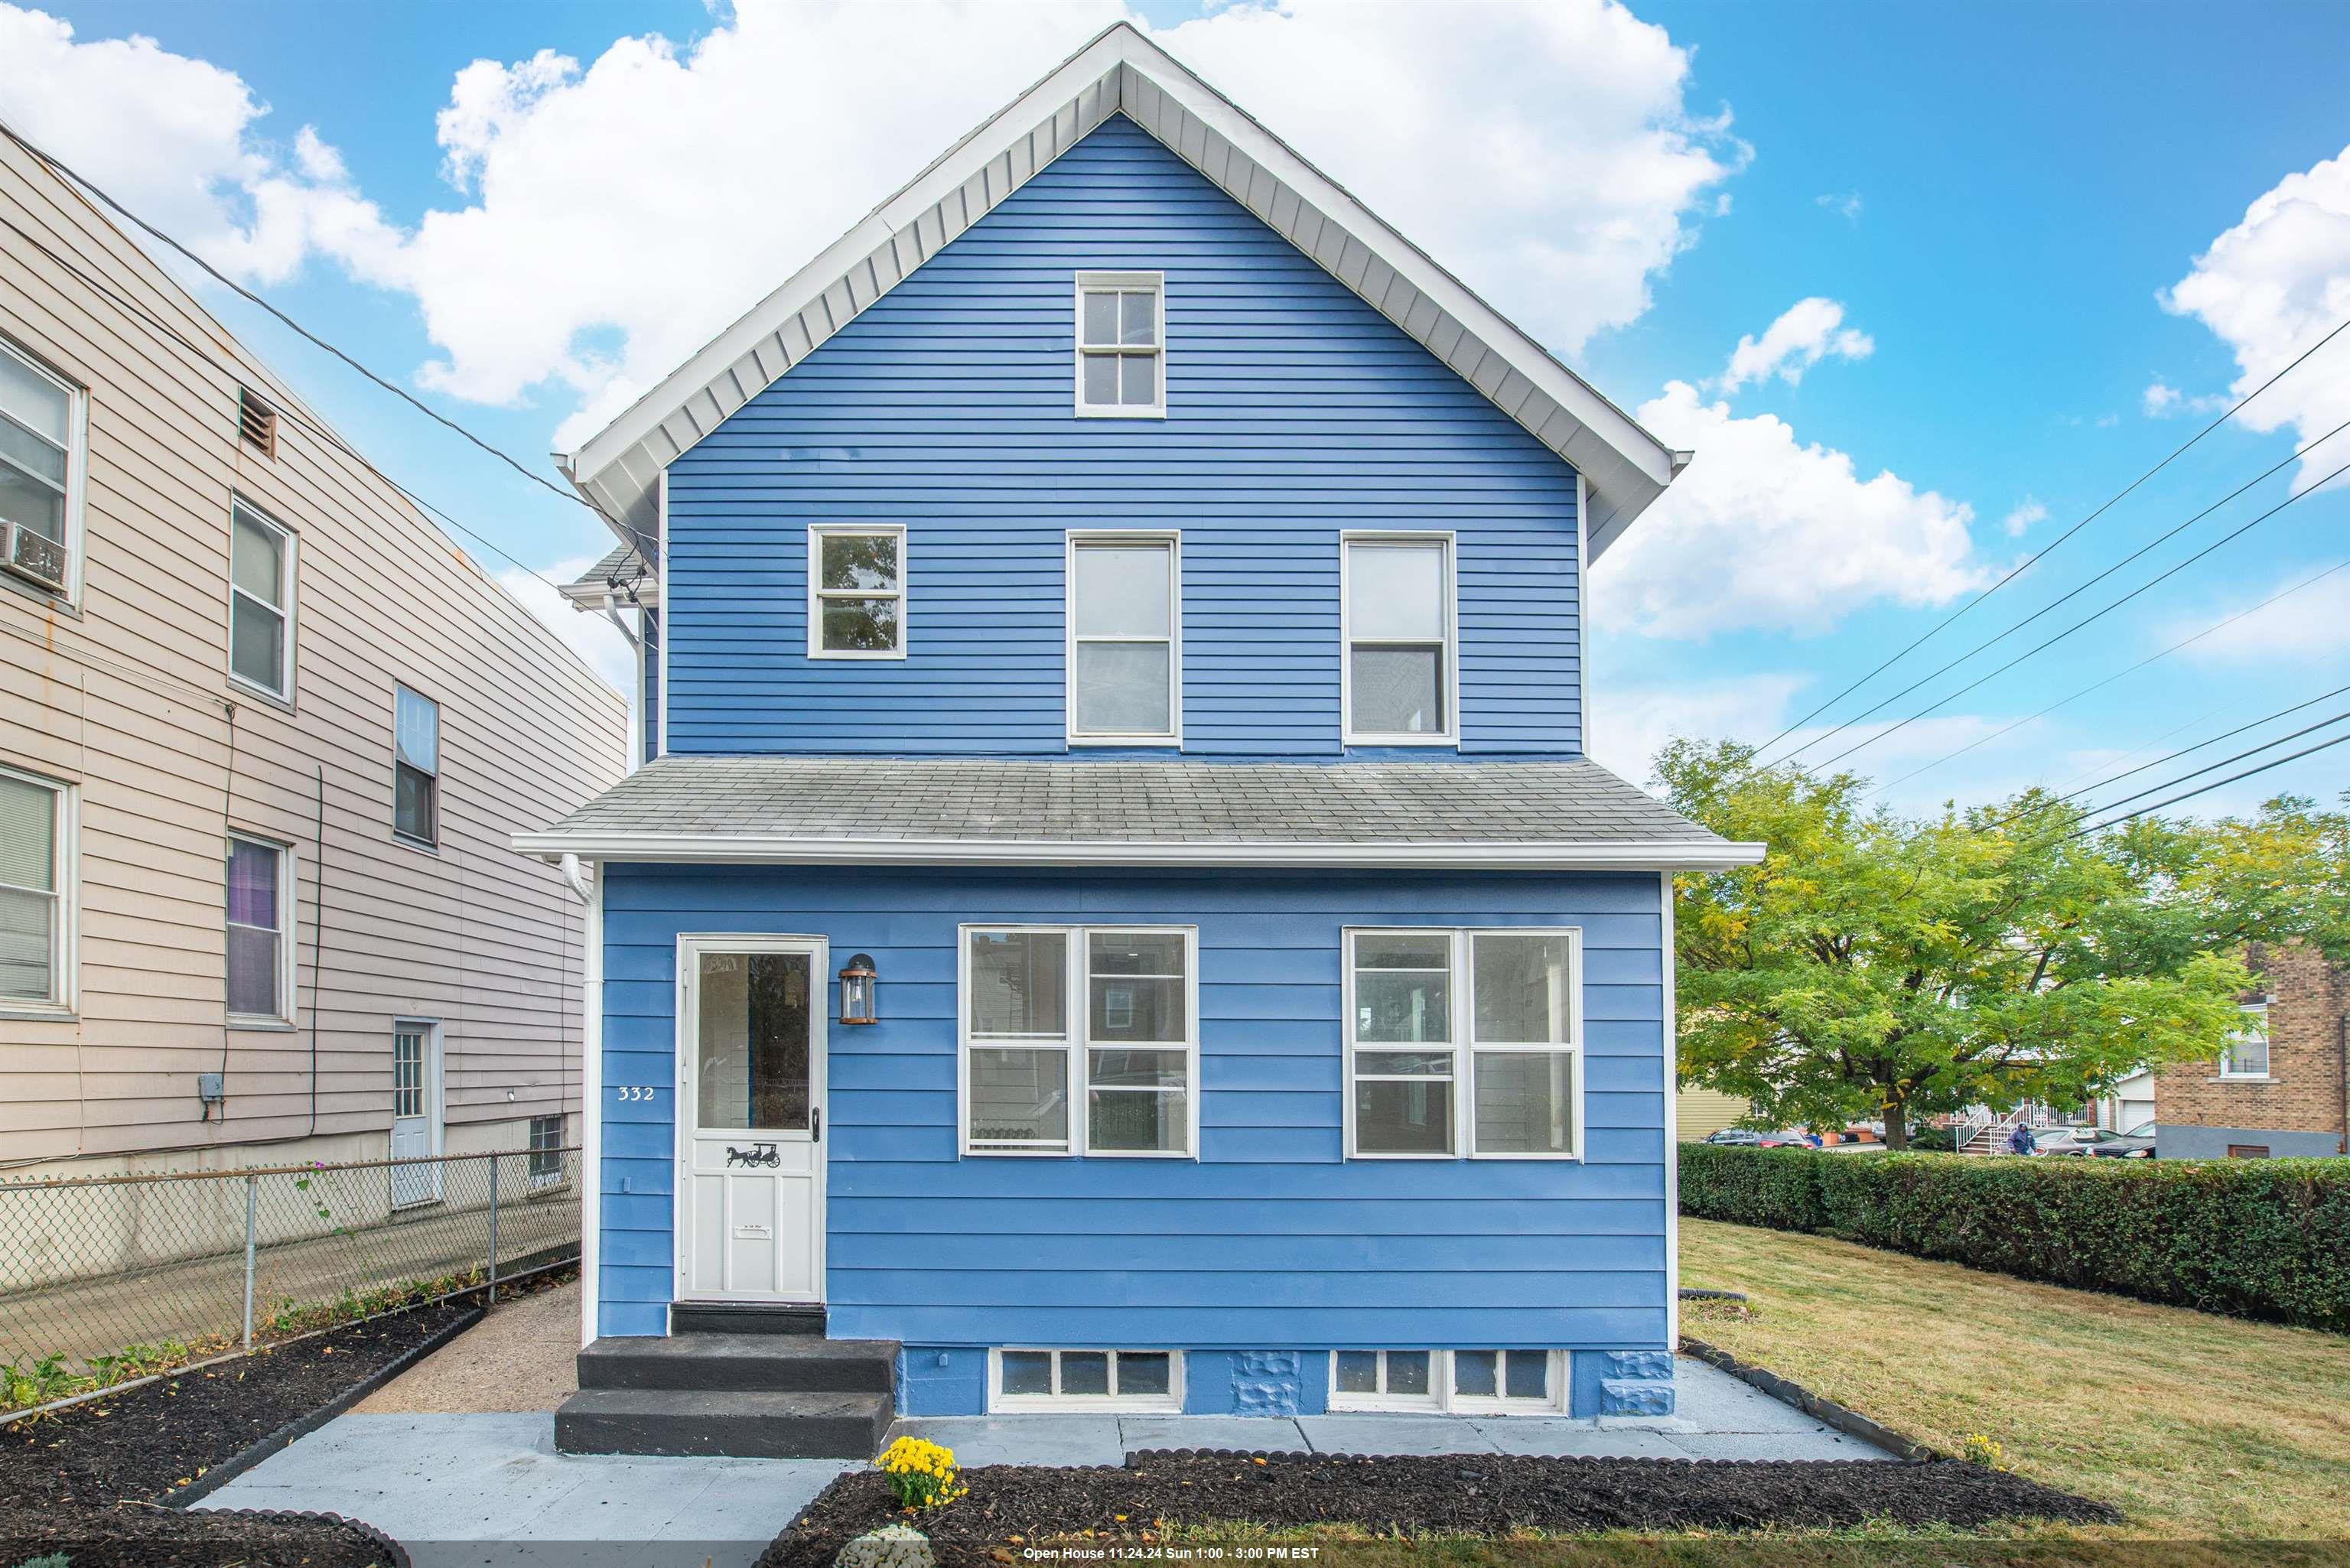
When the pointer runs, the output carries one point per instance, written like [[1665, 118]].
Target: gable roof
[[1623, 466]]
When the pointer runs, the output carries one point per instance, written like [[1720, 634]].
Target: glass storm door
[[751, 1096]]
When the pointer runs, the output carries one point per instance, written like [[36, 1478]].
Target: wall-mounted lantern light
[[857, 985]]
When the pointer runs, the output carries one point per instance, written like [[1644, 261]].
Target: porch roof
[[843, 810]]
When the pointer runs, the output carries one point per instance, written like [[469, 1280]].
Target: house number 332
[[636, 1092]]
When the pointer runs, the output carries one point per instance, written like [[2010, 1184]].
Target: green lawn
[[2195, 1426]]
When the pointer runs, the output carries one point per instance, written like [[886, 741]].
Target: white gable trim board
[[1122, 71]]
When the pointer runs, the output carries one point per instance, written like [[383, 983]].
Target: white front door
[[750, 1058], [416, 1111]]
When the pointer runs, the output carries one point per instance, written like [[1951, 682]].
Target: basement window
[[256, 423], [1505, 1382], [1086, 1380]]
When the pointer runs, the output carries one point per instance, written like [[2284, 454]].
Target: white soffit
[[1122, 71]]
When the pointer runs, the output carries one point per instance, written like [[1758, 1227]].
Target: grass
[[2196, 1427]]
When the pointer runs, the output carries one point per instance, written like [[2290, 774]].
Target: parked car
[[1746, 1137], [2099, 1141]]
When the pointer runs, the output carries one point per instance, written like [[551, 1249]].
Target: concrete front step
[[741, 1362], [762, 1425]]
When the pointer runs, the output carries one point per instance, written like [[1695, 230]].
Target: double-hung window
[[415, 767], [260, 957], [2246, 1053], [856, 591], [1431, 1009], [260, 602], [36, 892], [42, 420], [546, 1167], [1121, 345], [1398, 665], [1079, 1039], [1125, 639]]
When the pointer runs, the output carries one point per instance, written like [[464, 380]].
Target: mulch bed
[[85, 1480], [1481, 1494]]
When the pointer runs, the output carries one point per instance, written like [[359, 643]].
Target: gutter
[[755, 848]]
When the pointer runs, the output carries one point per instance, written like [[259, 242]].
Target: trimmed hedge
[[2254, 1238]]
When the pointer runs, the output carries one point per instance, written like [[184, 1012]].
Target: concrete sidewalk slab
[[1249, 1434], [519, 1358], [1565, 1437], [1038, 1439], [1395, 1435], [1712, 1401]]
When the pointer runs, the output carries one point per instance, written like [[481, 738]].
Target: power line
[[2206, 789], [2033, 559], [2116, 675], [2076, 626], [2189, 750], [2224, 762], [2073, 593]]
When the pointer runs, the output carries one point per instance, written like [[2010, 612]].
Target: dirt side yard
[[2195, 1426]]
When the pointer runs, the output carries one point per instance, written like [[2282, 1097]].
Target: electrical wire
[[2206, 789]]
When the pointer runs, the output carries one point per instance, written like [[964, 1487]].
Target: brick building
[[2283, 1086]]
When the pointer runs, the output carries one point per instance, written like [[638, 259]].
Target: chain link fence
[[174, 1266]]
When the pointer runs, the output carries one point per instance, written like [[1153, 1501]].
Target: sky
[[1923, 287]]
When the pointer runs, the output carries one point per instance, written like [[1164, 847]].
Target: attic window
[[256, 423], [1121, 345]]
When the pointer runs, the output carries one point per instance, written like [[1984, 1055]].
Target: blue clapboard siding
[[1271, 1239], [649, 638], [1295, 411]]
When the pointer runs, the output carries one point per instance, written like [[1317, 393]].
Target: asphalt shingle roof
[[837, 799], [621, 564]]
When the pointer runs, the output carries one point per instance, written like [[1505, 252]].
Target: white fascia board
[[712, 848]]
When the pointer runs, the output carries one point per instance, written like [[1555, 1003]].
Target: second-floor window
[[35, 831], [260, 602], [258, 952], [1121, 345], [40, 445], [415, 767], [2246, 1053], [857, 592], [1398, 669], [1125, 667]]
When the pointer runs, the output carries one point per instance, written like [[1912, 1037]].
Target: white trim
[[690, 945], [77, 472], [1672, 1126], [1120, 282], [1072, 541], [436, 1105], [1122, 71], [1001, 1404], [65, 968], [1348, 1045], [1376, 538], [636, 691], [819, 531], [1444, 1396], [1572, 1046], [288, 923], [591, 1113], [1075, 1041], [289, 556], [1581, 647], [782, 849], [429, 845], [661, 673]]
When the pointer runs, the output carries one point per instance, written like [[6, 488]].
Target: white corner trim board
[[719, 848], [1122, 71]]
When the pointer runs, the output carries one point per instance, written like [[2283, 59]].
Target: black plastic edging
[[235, 1465], [395, 1554], [1848, 1421]]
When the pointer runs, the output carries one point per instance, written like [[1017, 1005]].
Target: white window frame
[[1348, 538], [539, 1179], [65, 920], [76, 474], [1116, 282], [1461, 989], [1444, 1393], [2228, 1068], [999, 1403], [284, 1017], [429, 845], [288, 546], [1080, 538], [816, 594], [1074, 1041]]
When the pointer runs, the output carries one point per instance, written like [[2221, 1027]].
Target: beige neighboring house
[[264, 733], [1700, 1113]]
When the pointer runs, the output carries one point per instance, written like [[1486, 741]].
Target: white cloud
[[1807, 332], [2307, 626], [2273, 286], [1763, 532], [595, 638], [2160, 400], [1846, 206], [2026, 514], [1630, 723], [613, 215]]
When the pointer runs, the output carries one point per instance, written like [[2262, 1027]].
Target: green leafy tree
[[1876, 967]]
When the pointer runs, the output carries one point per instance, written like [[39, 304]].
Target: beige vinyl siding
[[130, 701], [1699, 1112]]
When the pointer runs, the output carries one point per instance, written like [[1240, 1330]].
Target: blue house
[[1114, 913]]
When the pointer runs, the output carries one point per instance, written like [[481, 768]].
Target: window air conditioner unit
[[35, 555]]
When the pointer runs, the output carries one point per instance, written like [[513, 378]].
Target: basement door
[[751, 1061]]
